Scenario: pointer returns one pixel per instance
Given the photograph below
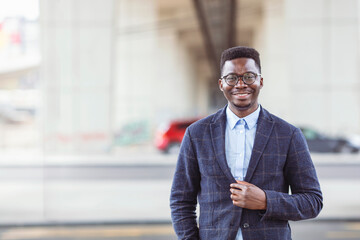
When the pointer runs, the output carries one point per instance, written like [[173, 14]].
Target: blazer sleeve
[[184, 190], [306, 199]]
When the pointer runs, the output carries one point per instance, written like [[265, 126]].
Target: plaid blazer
[[280, 159]]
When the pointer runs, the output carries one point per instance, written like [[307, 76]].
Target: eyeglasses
[[248, 78]]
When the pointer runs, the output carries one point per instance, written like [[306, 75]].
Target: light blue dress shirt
[[239, 142]]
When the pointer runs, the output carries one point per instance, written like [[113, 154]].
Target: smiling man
[[240, 163]]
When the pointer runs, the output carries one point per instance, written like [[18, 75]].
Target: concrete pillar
[[77, 74], [311, 59], [325, 60], [155, 73], [271, 41]]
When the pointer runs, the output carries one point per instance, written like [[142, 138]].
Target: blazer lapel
[[217, 131], [263, 132]]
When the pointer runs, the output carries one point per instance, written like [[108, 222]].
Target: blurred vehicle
[[318, 142], [11, 115], [169, 135], [354, 139]]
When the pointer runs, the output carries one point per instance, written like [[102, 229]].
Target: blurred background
[[95, 97]]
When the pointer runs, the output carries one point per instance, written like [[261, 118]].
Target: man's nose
[[240, 83]]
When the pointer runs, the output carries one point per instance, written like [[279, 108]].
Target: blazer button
[[246, 225]]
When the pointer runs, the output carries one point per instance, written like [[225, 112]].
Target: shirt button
[[246, 225], [241, 131]]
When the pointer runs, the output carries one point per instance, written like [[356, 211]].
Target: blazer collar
[[263, 132], [217, 131]]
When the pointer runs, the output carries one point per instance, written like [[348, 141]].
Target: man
[[239, 164]]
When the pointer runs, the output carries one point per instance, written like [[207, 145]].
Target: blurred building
[[112, 70]]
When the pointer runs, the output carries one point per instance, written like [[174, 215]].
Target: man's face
[[242, 98]]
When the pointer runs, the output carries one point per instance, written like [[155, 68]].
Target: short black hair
[[240, 52]]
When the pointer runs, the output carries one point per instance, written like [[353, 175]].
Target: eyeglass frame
[[240, 77]]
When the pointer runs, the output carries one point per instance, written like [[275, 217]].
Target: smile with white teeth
[[242, 94]]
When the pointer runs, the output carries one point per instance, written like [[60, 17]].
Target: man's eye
[[249, 76], [231, 78]]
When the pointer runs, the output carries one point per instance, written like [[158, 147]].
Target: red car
[[169, 136]]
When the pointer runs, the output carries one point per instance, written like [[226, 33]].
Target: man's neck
[[241, 113]]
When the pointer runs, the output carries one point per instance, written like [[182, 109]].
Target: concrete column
[[77, 74], [271, 41], [155, 73], [324, 63], [311, 59]]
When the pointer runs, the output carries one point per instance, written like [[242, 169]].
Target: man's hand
[[247, 195]]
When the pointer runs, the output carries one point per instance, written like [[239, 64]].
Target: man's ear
[[220, 82], [261, 82]]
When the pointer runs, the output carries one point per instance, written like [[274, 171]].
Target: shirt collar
[[250, 119]]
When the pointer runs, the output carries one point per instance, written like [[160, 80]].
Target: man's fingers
[[235, 191], [243, 183], [238, 186], [234, 198]]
